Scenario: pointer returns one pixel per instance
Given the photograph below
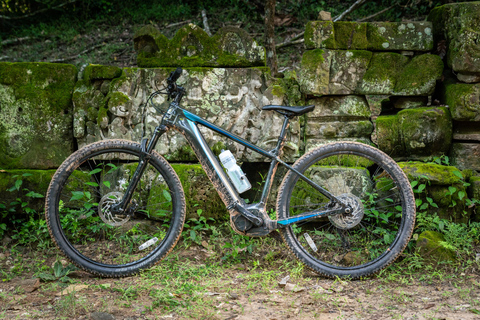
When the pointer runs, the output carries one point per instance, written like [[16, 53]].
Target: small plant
[[58, 273]]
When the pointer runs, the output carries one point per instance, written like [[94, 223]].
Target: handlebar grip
[[174, 75]]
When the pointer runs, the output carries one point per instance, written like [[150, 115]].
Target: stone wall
[[380, 83]]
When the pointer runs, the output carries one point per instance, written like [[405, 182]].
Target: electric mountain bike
[[116, 207]]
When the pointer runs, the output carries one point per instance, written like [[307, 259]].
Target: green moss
[[382, 73], [102, 117], [36, 115], [319, 34], [350, 35], [192, 47], [429, 246], [389, 135], [463, 100], [116, 99], [199, 192], [312, 58], [100, 72], [434, 173], [420, 75]]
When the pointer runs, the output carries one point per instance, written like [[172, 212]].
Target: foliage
[[460, 237]]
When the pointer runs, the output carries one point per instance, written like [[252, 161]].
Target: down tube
[[209, 162]]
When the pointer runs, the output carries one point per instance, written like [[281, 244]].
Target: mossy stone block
[[466, 155], [429, 246], [463, 100], [426, 132], [430, 172], [388, 36], [319, 35], [474, 189], [344, 108], [458, 24], [315, 71], [100, 72], [192, 47], [199, 192], [338, 129], [388, 136], [36, 114], [350, 35], [419, 76], [347, 69], [381, 75]]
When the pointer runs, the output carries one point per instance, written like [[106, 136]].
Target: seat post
[[283, 134]]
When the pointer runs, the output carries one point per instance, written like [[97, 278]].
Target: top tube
[[192, 117]]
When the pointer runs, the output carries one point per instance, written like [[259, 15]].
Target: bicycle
[[116, 207]]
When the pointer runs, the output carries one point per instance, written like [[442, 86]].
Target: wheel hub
[[105, 212], [353, 213]]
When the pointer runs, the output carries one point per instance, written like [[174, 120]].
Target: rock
[[435, 174], [458, 24], [466, 131], [101, 316], [29, 285], [352, 258], [231, 98], [192, 47], [315, 71], [419, 76], [284, 281], [377, 103], [392, 36], [350, 35], [381, 75], [419, 133], [429, 246], [324, 16], [346, 70], [440, 182], [468, 78], [463, 100], [293, 288], [465, 155], [319, 35], [409, 102], [99, 72], [233, 296], [339, 108], [36, 114]]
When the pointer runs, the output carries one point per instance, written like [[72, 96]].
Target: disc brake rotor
[[104, 209], [348, 220]]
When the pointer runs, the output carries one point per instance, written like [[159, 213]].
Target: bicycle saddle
[[290, 111]]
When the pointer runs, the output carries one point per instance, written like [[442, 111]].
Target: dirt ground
[[184, 286]]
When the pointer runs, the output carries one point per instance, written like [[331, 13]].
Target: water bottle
[[238, 178]]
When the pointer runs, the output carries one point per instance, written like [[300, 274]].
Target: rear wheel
[[348, 245], [82, 224]]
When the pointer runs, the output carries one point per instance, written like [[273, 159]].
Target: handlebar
[[174, 75], [175, 92]]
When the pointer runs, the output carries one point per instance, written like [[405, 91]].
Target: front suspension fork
[[146, 152]]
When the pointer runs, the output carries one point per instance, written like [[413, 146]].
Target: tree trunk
[[270, 37]]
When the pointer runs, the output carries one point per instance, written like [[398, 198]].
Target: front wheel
[[351, 245], [82, 224]]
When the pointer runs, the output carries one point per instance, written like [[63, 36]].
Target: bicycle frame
[[187, 123]]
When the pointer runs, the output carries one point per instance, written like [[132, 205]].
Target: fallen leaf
[[72, 288]]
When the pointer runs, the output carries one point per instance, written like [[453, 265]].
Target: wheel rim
[[106, 240], [362, 240]]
